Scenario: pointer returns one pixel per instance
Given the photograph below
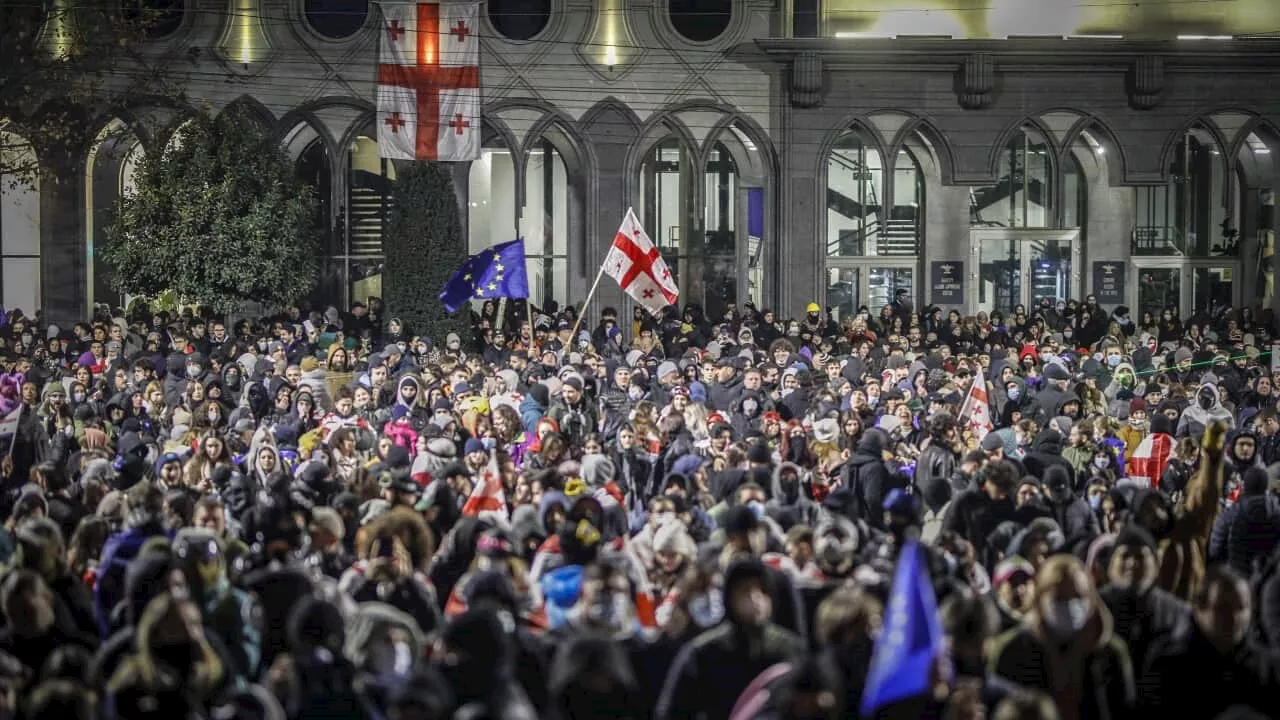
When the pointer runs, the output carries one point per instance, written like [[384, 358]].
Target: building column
[[63, 283]]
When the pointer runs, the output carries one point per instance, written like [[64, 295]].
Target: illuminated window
[[19, 226], [1023, 194], [1184, 215], [855, 188]]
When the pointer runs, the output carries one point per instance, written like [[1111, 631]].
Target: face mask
[[664, 517], [1095, 502], [706, 609], [1205, 401], [1138, 422], [873, 400], [78, 397], [26, 339], [756, 507], [1014, 393], [1067, 616], [1101, 462], [193, 371], [1113, 360], [262, 346]]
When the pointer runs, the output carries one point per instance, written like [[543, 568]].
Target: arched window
[[369, 180], [19, 225], [544, 224], [1023, 196], [519, 19], [855, 185], [666, 190], [700, 20], [336, 19], [1185, 215], [157, 18], [491, 197]]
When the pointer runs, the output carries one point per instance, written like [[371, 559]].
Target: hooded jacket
[[788, 505], [870, 479], [1196, 418]]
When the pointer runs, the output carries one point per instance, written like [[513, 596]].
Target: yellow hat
[[813, 307]]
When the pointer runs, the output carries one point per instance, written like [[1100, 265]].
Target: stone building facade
[[830, 151]]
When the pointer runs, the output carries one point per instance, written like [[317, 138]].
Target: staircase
[[369, 203], [994, 200]]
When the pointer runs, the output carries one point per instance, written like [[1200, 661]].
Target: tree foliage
[[219, 218], [424, 246], [62, 65]]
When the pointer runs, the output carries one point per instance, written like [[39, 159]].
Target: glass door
[[1022, 266], [851, 286], [1190, 287]]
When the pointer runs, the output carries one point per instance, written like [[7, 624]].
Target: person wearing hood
[[229, 613], [1254, 530], [870, 478], [1123, 388], [1071, 512], [1054, 393], [145, 521], [476, 657], [712, 671], [1205, 409], [1067, 646], [534, 407], [788, 504], [409, 395], [1045, 451]]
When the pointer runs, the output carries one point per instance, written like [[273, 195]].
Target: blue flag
[[496, 272], [901, 666]]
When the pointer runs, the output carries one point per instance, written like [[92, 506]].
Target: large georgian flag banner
[[429, 81]]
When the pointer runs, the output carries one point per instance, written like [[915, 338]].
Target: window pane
[[545, 280], [1158, 288], [902, 229], [855, 176], [1211, 289], [1023, 193], [337, 19], [22, 284], [884, 283], [369, 197], [313, 169], [366, 279], [492, 193], [700, 20], [19, 217], [843, 291], [519, 19]]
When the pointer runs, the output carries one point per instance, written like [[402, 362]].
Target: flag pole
[[528, 316], [583, 311], [502, 313]]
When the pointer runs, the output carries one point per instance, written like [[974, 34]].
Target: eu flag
[[902, 664], [496, 272]]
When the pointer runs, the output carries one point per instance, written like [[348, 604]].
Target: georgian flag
[[488, 495], [975, 413], [639, 268], [1146, 465]]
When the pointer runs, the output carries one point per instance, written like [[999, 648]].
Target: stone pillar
[[63, 286]]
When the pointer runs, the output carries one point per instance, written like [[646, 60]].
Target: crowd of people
[[329, 514]]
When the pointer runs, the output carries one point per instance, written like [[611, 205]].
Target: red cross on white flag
[[975, 413], [639, 268], [429, 81]]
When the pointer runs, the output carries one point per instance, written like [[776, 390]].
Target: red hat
[[1137, 405]]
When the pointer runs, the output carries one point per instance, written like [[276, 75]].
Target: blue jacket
[[530, 413], [119, 550]]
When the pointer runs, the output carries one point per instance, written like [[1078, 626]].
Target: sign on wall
[[1108, 282], [946, 283]]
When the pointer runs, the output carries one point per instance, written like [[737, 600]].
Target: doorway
[[874, 283], [1022, 266]]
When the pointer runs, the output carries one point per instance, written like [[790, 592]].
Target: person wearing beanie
[[1135, 429], [710, 674], [1141, 612], [1071, 512]]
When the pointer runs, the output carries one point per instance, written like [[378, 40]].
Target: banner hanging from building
[[429, 81]]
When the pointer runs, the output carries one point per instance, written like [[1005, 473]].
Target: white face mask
[[1065, 617]]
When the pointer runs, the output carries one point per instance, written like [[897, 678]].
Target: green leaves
[[218, 218], [424, 246]]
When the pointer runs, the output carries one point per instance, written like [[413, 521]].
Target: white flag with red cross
[[429, 81], [975, 413], [488, 494], [638, 267]]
